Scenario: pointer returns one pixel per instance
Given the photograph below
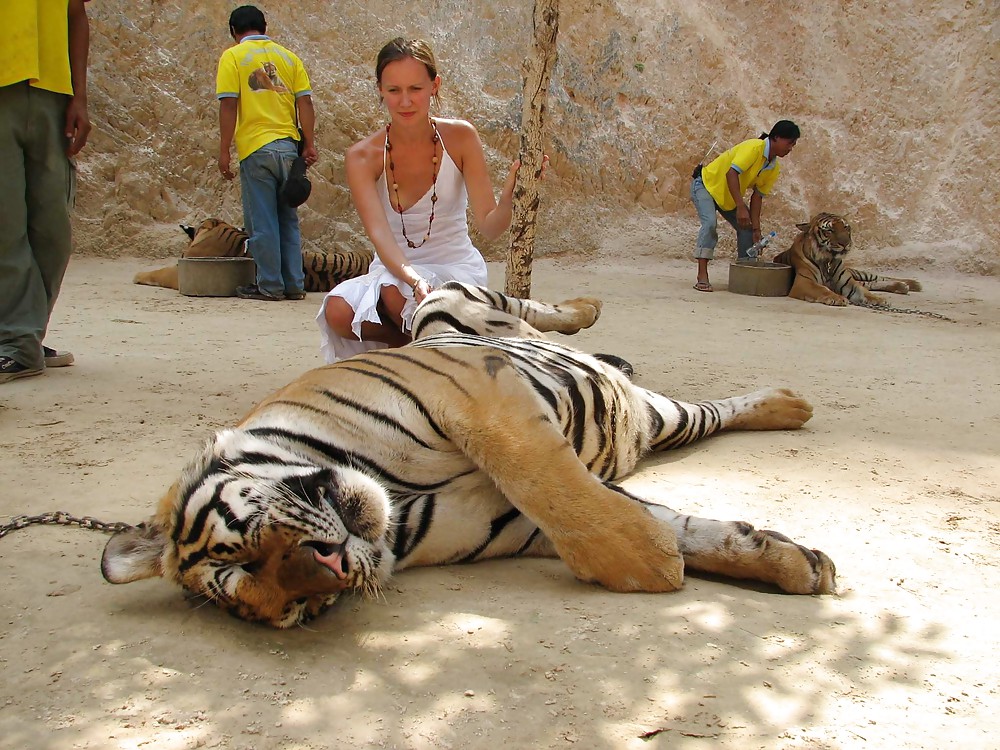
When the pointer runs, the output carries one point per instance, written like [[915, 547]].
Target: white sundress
[[447, 255]]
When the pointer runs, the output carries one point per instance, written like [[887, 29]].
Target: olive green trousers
[[37, 190]]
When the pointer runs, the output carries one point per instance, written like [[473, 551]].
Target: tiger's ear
[[802, 227], [134, 554]]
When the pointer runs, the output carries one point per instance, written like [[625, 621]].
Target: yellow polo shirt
[[37, 45], [266, 78], [750, 160]]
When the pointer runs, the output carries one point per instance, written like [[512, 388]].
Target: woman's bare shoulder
[[367, 152], [460, 130]]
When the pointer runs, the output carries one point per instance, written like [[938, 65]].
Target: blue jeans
[[273, 225], [708, 235]]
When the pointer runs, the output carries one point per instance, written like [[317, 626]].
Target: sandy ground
[[896, 477]]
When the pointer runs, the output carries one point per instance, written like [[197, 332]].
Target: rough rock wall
[[897, 103]]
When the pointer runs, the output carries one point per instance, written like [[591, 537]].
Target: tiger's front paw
[[835, 300], [634, 556]]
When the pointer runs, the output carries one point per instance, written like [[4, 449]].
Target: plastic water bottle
[[754, 251]]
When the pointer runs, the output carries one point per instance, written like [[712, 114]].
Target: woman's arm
[[492, 217], [363, 164]]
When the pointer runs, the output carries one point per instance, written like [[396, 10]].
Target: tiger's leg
[[738, 550], [806, 289], [473, 309], [675, 423], [496, 420], [878, 283], [164, 277]]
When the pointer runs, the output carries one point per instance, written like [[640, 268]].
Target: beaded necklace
[[395, 185]]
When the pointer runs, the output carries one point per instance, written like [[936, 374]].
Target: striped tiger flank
[[323, 271]]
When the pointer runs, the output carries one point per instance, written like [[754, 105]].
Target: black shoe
[[255, 292], [11, 369], [56, 359], [295, 295]]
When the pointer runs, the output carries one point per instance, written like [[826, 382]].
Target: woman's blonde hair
[[399, 49]]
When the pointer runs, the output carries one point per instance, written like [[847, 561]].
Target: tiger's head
[[214, 238], [830, 235], [262, 532]]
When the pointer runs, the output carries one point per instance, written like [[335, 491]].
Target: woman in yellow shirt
[[720, 187]]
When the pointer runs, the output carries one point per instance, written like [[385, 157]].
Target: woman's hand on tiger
[[421, 290]]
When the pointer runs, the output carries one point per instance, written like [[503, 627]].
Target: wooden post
[[537, 72]]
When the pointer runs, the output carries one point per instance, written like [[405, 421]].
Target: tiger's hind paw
[[802, 570], [577, 314], [791, 567], [771, 409]]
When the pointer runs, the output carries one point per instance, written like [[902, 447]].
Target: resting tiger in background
[[480, 439], [214, 238], [817, 257]]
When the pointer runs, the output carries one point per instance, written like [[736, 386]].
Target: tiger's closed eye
[[252, 567]]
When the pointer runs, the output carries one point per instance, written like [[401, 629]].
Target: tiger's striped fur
[[214, 238], [481, 439], [821, 275], [325, 270]]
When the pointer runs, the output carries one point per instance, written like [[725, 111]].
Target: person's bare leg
[[703, 274], [340, 317], [384, 333], [390, 310]]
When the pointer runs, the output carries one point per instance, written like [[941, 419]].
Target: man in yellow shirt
[[263, 89], [720, 187], [43, 125]]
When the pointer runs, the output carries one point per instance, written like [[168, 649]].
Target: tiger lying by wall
[[480, 439], [817, 257], [214, 238]]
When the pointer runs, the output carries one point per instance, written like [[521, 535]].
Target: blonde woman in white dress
[[411, 183]]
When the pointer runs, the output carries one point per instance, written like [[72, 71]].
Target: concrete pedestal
[[760, 278], [214, 277]]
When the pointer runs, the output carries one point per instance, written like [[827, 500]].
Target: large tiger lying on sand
[[480, 439], [821, 275], [214, 238]]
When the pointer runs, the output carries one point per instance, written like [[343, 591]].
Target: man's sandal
[[703, 286]]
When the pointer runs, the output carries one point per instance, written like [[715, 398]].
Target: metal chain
[[62, 518], [890, 308]]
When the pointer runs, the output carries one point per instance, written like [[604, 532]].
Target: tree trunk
[[537, 72]]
